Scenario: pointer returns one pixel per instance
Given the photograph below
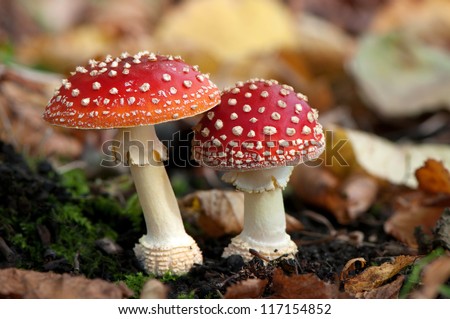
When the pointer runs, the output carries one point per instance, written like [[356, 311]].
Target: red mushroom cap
[[258, 124], [129, 91]]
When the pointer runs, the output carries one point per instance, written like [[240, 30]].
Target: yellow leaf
[[376, 276], [228, 30]]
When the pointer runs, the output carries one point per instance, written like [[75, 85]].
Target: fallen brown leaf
[[219, 212], [375, 276], [360, 192], [23, 96], [351, 266], [433, 177], [306, 286], [249, 288], [346, 199], [407, 218], [434, 275], [387, 291], [17, 283], [319, 187]]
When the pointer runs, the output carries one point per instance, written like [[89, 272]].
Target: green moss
[[168, 277], [73, 216], [135, 282], [75, 181], [414, 277], [190, 295]]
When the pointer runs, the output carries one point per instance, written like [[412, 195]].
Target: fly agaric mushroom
[[133, 93], [257, 134]]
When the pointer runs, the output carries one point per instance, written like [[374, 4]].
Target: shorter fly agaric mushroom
[[133, 93], [257, 134]]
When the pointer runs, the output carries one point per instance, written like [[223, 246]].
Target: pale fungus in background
[[133, 93], [258, 133]]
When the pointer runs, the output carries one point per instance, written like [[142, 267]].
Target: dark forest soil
[[52, 223]]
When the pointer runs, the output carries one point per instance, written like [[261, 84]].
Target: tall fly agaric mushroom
[[257, 134], [133, 93]]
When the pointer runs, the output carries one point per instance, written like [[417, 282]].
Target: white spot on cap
[[233, 116], [302, 96], [112, 73], [127, 65], [144, 87], [232, 101], [237, 130], [310, 117], [67, 84], [275, 116], [295, 119], [205, 132], [75, 92], [223, 137], [175, 115], [125, 71], [217, 142], [248, 95], [259, 145], [96, 86], [264, 94], [166, 77], [186, 69], [298, 108], [85, 101], [269, 130], [210, 115], [81, 69], [235, 90], [106, 101], [306, 130], [261, 109], [253, 86], [246, 108], [194, 106], [131, 100], [290, 131], [200, 77], [284, 92], [155, 100], [316, 114], [173, 90], [187, 83], [218, 125], [253, 120], [113, 91], [281, 104], [283, 143], [251, 133]]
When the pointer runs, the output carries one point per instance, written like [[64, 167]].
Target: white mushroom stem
[[166, 246], [264, 215]]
